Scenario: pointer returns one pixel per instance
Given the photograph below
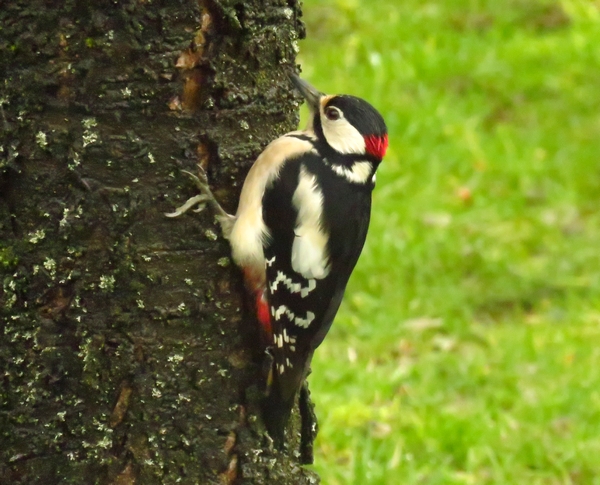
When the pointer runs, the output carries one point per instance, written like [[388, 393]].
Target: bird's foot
[[202, 199]]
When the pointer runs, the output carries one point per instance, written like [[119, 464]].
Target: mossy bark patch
[[126, 351]]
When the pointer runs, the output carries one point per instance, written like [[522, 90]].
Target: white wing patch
[[309, 250], [291, 286]]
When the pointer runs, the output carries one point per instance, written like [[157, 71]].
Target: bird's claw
[[201, 180], [199, 200], [205, 197]]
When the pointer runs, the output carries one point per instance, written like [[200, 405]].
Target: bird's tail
[[279, 400]]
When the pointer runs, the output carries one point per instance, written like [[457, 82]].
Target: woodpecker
[[299, 229]]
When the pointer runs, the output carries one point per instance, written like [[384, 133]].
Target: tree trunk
[[126, 354]]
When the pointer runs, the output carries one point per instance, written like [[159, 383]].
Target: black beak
[[310, 94]]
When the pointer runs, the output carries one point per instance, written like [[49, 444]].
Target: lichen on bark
[[126, 353]]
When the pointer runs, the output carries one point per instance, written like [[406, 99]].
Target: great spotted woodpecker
[[299, 229]]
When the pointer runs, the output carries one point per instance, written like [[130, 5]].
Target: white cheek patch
[[309, 250], [343, 137]]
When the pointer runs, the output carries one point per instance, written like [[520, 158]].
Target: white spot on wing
[[305, 322], [309, 251], [291, 286], [280, 311], [301, 322]]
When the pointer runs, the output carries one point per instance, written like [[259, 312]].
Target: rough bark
[[126, 355]]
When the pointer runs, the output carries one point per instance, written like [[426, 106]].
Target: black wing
[[302, 310]]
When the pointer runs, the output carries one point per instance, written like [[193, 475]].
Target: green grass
[[467, 350]]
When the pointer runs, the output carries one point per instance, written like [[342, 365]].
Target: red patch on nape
[[376, 145], [262, 313]]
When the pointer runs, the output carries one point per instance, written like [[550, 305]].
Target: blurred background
[[467, 350]]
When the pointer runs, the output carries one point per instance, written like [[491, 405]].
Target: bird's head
[[349, 125]]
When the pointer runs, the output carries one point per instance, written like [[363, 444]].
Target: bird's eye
[[332, 113]]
